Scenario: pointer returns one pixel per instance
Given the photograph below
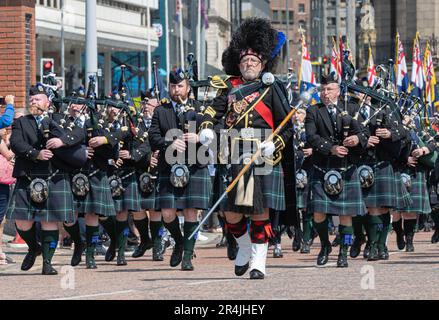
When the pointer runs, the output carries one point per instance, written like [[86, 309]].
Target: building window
[[301, 8], [302, 24], [275, 16], [332, 21], [291, 17]]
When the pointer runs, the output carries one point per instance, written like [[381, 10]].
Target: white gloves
[[206, 136], [267, 148]]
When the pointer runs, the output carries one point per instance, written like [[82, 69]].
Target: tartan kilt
[[403, 198], [148, 201], [195, 195], [130, 198], [221, 181], [419, 195], [58, 207], [302, 195], [98, 200], [348, 203], [271, 193], [382, 193]]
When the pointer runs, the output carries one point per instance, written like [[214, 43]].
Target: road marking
[[96, 295], [209, 281]]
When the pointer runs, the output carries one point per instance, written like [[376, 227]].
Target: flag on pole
[[431, 93], [306, 76], [402, 75], [204, 14], [417, 69], [335, 67], [177, 10], [371, 72]]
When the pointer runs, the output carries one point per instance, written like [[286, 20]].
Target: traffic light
[[47, 66], [325, 59]]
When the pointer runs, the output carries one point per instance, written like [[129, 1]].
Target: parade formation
[[363, 153]]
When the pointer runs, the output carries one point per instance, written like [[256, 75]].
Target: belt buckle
[[247, 133]]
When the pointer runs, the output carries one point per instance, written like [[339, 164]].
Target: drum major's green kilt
[[382, 193], [272, 191], [348, 203], [57, 208], [418, 194], [99, 199], [196, 194], [403, 198], [130, 198]]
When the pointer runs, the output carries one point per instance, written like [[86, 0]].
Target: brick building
[[17, 49]]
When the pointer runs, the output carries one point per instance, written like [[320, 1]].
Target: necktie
[[365, 112], [38, 119], [332, 113]]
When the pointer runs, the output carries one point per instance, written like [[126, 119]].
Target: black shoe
[[121, 260], [435, 236], [323, 256], [77, 254], [157, 250], [111, 253], [48, 270], [222, 243], [277, 252], [141, 249], [356, 247], [383, 254], [90, 263], [409, 245], [306, 248], [336, 241], [342, 261], [256, 274], [241, 270], [297, 241], [67, 242], [232, 251], [177, 255], [186, 264], [366, 252], [29, 259], [400, 241], [373, 255]]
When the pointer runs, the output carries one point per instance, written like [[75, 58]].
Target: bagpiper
[[250, 116], [184, 181], [148, 186], [414, 162], [384, 134], [45, 154], [90, 184], [304, 170], [336, 139]]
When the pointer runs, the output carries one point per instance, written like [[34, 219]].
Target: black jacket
[[164, 120], [27, 141], [322, 136]]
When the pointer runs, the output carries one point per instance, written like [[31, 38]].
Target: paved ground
[[404, 276]]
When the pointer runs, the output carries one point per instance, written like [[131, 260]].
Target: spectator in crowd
[[6, 180], [8, 116]]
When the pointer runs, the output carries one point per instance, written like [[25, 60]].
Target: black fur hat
[[258, 35]]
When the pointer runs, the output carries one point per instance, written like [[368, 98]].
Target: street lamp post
[[91, 45]]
